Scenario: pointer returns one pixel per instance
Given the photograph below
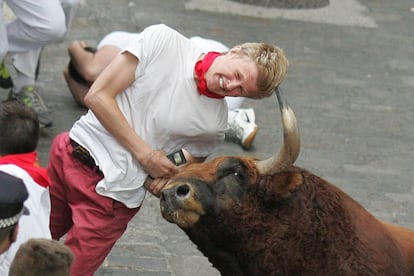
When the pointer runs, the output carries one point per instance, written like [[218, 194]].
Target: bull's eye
[[236, 174]]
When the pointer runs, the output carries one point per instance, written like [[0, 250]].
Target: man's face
[[230, 75]]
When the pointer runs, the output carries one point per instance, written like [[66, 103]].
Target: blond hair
[[272, 64]]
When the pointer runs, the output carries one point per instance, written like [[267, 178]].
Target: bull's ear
[[280, 186]]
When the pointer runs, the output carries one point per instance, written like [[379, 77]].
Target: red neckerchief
[[201, 68], [29, 163]]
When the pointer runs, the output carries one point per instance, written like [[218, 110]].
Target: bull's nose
[[162, 196], [177, 193], [182, 191]]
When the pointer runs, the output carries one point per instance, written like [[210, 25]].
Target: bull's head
[[220, 183], [243, 215]]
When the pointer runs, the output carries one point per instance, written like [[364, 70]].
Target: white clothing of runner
[[121, 39], [162, 106]]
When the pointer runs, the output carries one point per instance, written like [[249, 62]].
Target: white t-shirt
[[121, 39], [162, 106], [34, 225]]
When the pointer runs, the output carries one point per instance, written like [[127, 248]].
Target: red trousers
[[93, 223]]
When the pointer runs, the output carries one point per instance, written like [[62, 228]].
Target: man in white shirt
[[86, 64], [161, 94]]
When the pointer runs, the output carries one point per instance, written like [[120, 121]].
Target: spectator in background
[[42, 257], [35, 24], [19, 136], [13, 194]]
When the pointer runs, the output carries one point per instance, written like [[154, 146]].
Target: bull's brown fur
[[292, 223]]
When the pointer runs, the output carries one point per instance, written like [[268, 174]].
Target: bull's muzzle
[[179, 205]]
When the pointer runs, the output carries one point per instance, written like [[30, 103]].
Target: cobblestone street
[[350, 83]]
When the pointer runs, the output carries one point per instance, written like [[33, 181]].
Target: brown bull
[[269, 217]]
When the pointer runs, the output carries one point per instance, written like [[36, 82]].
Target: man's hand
[[155, 183], [154, 186], [157, 165]]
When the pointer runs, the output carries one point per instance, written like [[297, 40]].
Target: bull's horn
[[291, 141]]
